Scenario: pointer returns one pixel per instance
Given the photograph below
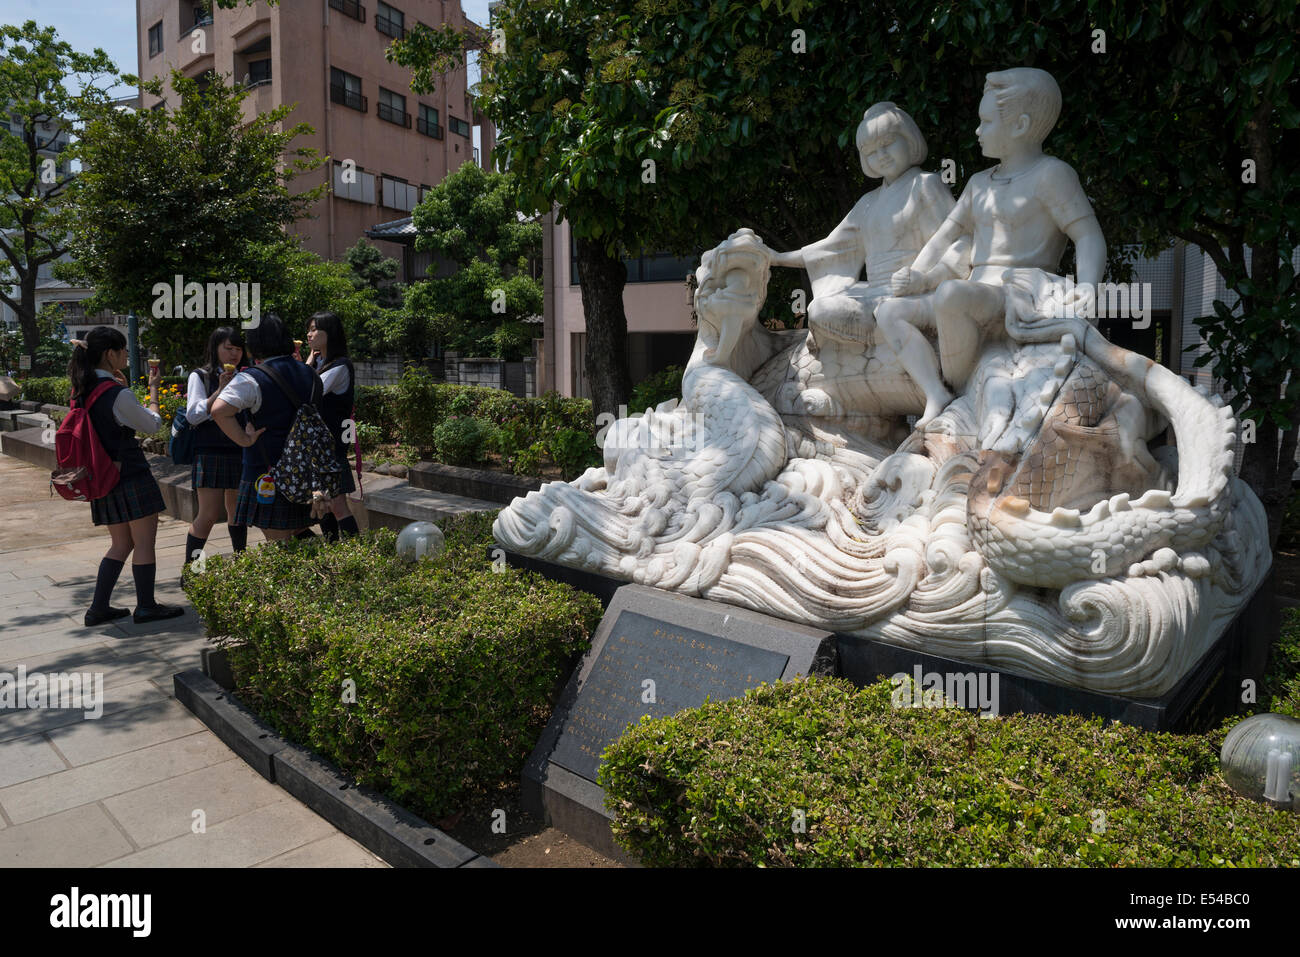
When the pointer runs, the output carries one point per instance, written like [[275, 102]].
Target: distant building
[[386, 145]]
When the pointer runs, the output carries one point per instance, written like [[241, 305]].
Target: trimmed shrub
[[455, 665], [460, 440], [878, 785], [52, 390]]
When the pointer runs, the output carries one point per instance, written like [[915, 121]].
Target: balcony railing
[[349, 98], [429, 129], [389, 27], [349, 8], [198, 25], [394, 115]]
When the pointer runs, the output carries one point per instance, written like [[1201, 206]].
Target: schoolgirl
[[218, 462], [329, 357], [131, 509], [271, 415]]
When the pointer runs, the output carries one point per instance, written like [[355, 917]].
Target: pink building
[[386, 145], [657, 301]]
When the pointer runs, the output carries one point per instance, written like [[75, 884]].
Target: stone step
[[400, 504], [471, 483], [26, 443]]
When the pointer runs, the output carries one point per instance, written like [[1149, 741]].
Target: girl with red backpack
[[218, 462], [130, 509]]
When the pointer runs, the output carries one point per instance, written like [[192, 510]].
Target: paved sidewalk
[[124, 789]]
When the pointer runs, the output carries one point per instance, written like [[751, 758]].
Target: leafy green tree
[[195, 192], [34, 186], [372, 269], [305, 284], [471, 220]]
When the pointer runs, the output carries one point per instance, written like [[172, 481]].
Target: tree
[[34, 65], [195, 193], [472, 220], [372, 269], [305, 284]]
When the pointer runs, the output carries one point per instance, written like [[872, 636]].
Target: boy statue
[[1017, 215]]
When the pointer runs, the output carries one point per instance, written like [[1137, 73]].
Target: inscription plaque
[[650, 667]]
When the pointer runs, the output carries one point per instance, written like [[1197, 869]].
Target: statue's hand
[[907, 282]]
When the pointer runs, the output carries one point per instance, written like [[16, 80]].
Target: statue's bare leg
[[901, 321], [963, 311]]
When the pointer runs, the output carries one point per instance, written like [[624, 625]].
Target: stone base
[[1209, 692], [651, 633]]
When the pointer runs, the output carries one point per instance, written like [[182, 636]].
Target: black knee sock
[[144, 575], [193, 544], [329, 526], [109, 570], [238, 536], [348, 527], [306, 533]]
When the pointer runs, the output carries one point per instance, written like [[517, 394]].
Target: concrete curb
[[379, 825]]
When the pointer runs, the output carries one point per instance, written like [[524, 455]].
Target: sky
[[110, 24]]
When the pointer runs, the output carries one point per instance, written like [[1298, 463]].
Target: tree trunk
[[603, 278], [27, 312]]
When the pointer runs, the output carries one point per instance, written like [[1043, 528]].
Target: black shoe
[[97, 617], [156, 613]]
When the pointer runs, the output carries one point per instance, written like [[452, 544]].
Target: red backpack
[[85, 471]]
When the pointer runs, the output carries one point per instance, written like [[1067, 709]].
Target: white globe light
[[1261, 759], [419, 540]]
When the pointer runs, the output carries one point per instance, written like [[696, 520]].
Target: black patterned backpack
[[308, 464]]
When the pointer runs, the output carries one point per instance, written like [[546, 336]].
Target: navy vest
[[276, 414], [119, 440], [208, 437], [335, 408]]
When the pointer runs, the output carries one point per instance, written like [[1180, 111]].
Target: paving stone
[[119, 698], [25, 758], [73, 787], [82, 837], [337, 850], [243, 841], [125, 731], [161, 811]]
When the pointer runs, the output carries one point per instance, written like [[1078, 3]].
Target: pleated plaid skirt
[[215, 470], [280, 514], [134, 497]]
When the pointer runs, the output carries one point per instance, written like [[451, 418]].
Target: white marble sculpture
[[1025, 522]]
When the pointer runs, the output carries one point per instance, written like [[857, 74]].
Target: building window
[[428, 122], [458, 126], [653, 267], [346, 89], [392, 107], [259, 71], [354, 183], [390, 21], [155, 39], [399, 194], [349, 8], [202, 15]]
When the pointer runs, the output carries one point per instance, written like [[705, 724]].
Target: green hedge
[[721, 785], [1281, 690], [455, 664], [526, 433], [51, 390]]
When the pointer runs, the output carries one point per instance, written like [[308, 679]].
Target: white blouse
[[128, 411]]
